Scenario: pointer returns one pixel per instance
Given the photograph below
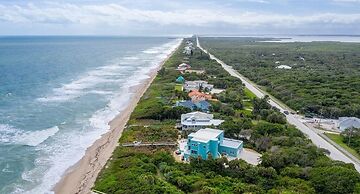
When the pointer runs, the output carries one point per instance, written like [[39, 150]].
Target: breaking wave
[[11, 135]]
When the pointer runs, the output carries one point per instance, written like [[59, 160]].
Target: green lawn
[[338, 140], [249, 94], [179, 87]]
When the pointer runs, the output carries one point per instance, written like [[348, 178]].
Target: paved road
[[293, 119]]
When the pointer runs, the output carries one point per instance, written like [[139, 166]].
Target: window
[[193, 152]]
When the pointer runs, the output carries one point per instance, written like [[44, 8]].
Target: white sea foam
[[11, 135], [155, 50], [69, 147], [131, 58], [102, 92], [37, 137]]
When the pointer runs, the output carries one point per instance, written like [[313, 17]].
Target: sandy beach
[[81, 177]]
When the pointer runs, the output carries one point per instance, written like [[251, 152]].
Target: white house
[[195, 85], [187, 50], [348, 122], [283, 67], [197, 120], [183, 67]]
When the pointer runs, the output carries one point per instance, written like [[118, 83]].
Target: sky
[[179, 17]]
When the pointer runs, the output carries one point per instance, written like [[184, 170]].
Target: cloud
[[118, 15]]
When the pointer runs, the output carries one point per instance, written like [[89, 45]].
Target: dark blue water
[[57, 95]]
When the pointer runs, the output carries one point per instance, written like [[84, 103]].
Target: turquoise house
[[180, 79], [206, 142]]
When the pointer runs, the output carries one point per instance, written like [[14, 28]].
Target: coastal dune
[[81, 177]]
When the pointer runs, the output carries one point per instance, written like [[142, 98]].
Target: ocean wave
[[131, 58], [12, 135], [78, 87], [109, 73], [69, 147]]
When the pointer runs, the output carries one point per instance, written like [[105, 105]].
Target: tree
[[263, 143], [260, 104], [276, 118], [228, 110], [162, 72], [351, 132], [334, 180], [174, 112]]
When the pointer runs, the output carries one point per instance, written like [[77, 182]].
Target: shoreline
[[81, 177]]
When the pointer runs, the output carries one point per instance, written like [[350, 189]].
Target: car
[[286, 112]]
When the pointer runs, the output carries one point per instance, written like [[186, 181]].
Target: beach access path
[[294, 119]]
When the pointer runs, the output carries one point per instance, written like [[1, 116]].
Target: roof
[[199, 119], [186, 103], [231, 143], [349, 122], [197, 94], [184, 65], [196, 115], [180, 79], [198, 82], [205, 135], [283, 67], [204, 105]]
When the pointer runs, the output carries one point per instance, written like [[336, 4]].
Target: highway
[[293, 119]]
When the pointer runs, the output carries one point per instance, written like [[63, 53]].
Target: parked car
[[286, 112]]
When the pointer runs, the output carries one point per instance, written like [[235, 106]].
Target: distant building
[[199, 72], [189, 43], [183, 67], [196, 85], [197, 120], [197, 96], [348, 122], [180, 79], [202, 105], [211, 142], [283, 67], [188, 50], [216, 91]]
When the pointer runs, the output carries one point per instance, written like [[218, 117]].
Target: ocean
[[57, 95]]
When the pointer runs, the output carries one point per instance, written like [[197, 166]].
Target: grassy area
[[339, 140], [249, 94]]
